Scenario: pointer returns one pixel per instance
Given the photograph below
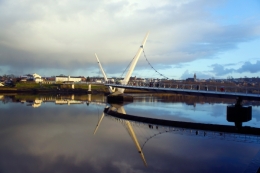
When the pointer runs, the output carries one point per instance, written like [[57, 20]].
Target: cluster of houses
[[8, 80]]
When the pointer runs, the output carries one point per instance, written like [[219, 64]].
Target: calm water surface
[[47, 134]]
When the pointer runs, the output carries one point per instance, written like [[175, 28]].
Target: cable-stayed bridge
[[168, 88], [236, 113]]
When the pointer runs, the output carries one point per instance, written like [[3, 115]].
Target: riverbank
[[32, 87]]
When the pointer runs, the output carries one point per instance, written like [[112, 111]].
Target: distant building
[[49, 80], [31, 77], [37, 78], [83, 79], [23, 79], [67, 79], [111, 80], [99, 81], [2, 79], [135, 79], [194, 79]]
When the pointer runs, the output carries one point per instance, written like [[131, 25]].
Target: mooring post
[[89, 87], [238, 102], [238, 113]]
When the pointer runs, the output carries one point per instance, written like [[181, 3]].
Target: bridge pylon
[[119, 96]]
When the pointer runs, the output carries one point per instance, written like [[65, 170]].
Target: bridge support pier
[[238, 113], [120, 98]]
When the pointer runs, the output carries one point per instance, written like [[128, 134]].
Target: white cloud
[[65, 35]]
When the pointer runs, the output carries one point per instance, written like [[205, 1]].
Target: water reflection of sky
[[59, 138], [179, 111]]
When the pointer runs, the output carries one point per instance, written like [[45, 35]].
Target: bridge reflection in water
[[129, 129], [155, 127], [160, 129]]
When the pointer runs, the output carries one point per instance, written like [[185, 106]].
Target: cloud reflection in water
[[60, 139]]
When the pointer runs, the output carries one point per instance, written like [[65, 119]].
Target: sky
[[214, 39]]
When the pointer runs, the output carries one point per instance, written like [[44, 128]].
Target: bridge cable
[[147, 62], [127, 67], [154, 135], [152, 66]]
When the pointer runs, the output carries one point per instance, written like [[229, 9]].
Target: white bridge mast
[[129, 72], [133, 64], [100, 66], [111, 90]]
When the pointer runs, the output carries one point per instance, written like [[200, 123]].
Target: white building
[[67, 79], [111, 80], [32, 77], [37, 78]]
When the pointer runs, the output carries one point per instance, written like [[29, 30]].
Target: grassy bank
[[37, 87], [58, 87]]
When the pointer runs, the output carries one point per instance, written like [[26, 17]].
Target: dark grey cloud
[[220, 39], [221, 70], [27, 62], [231, 64], [249, 67], [199, 75]]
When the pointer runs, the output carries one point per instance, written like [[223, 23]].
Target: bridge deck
[[244, 96]]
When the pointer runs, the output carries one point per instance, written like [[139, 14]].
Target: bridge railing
[[201, 87]]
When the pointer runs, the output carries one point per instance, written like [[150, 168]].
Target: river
[[67, 133]]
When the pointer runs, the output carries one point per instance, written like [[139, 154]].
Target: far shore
[[33, 88], [83, 88]]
